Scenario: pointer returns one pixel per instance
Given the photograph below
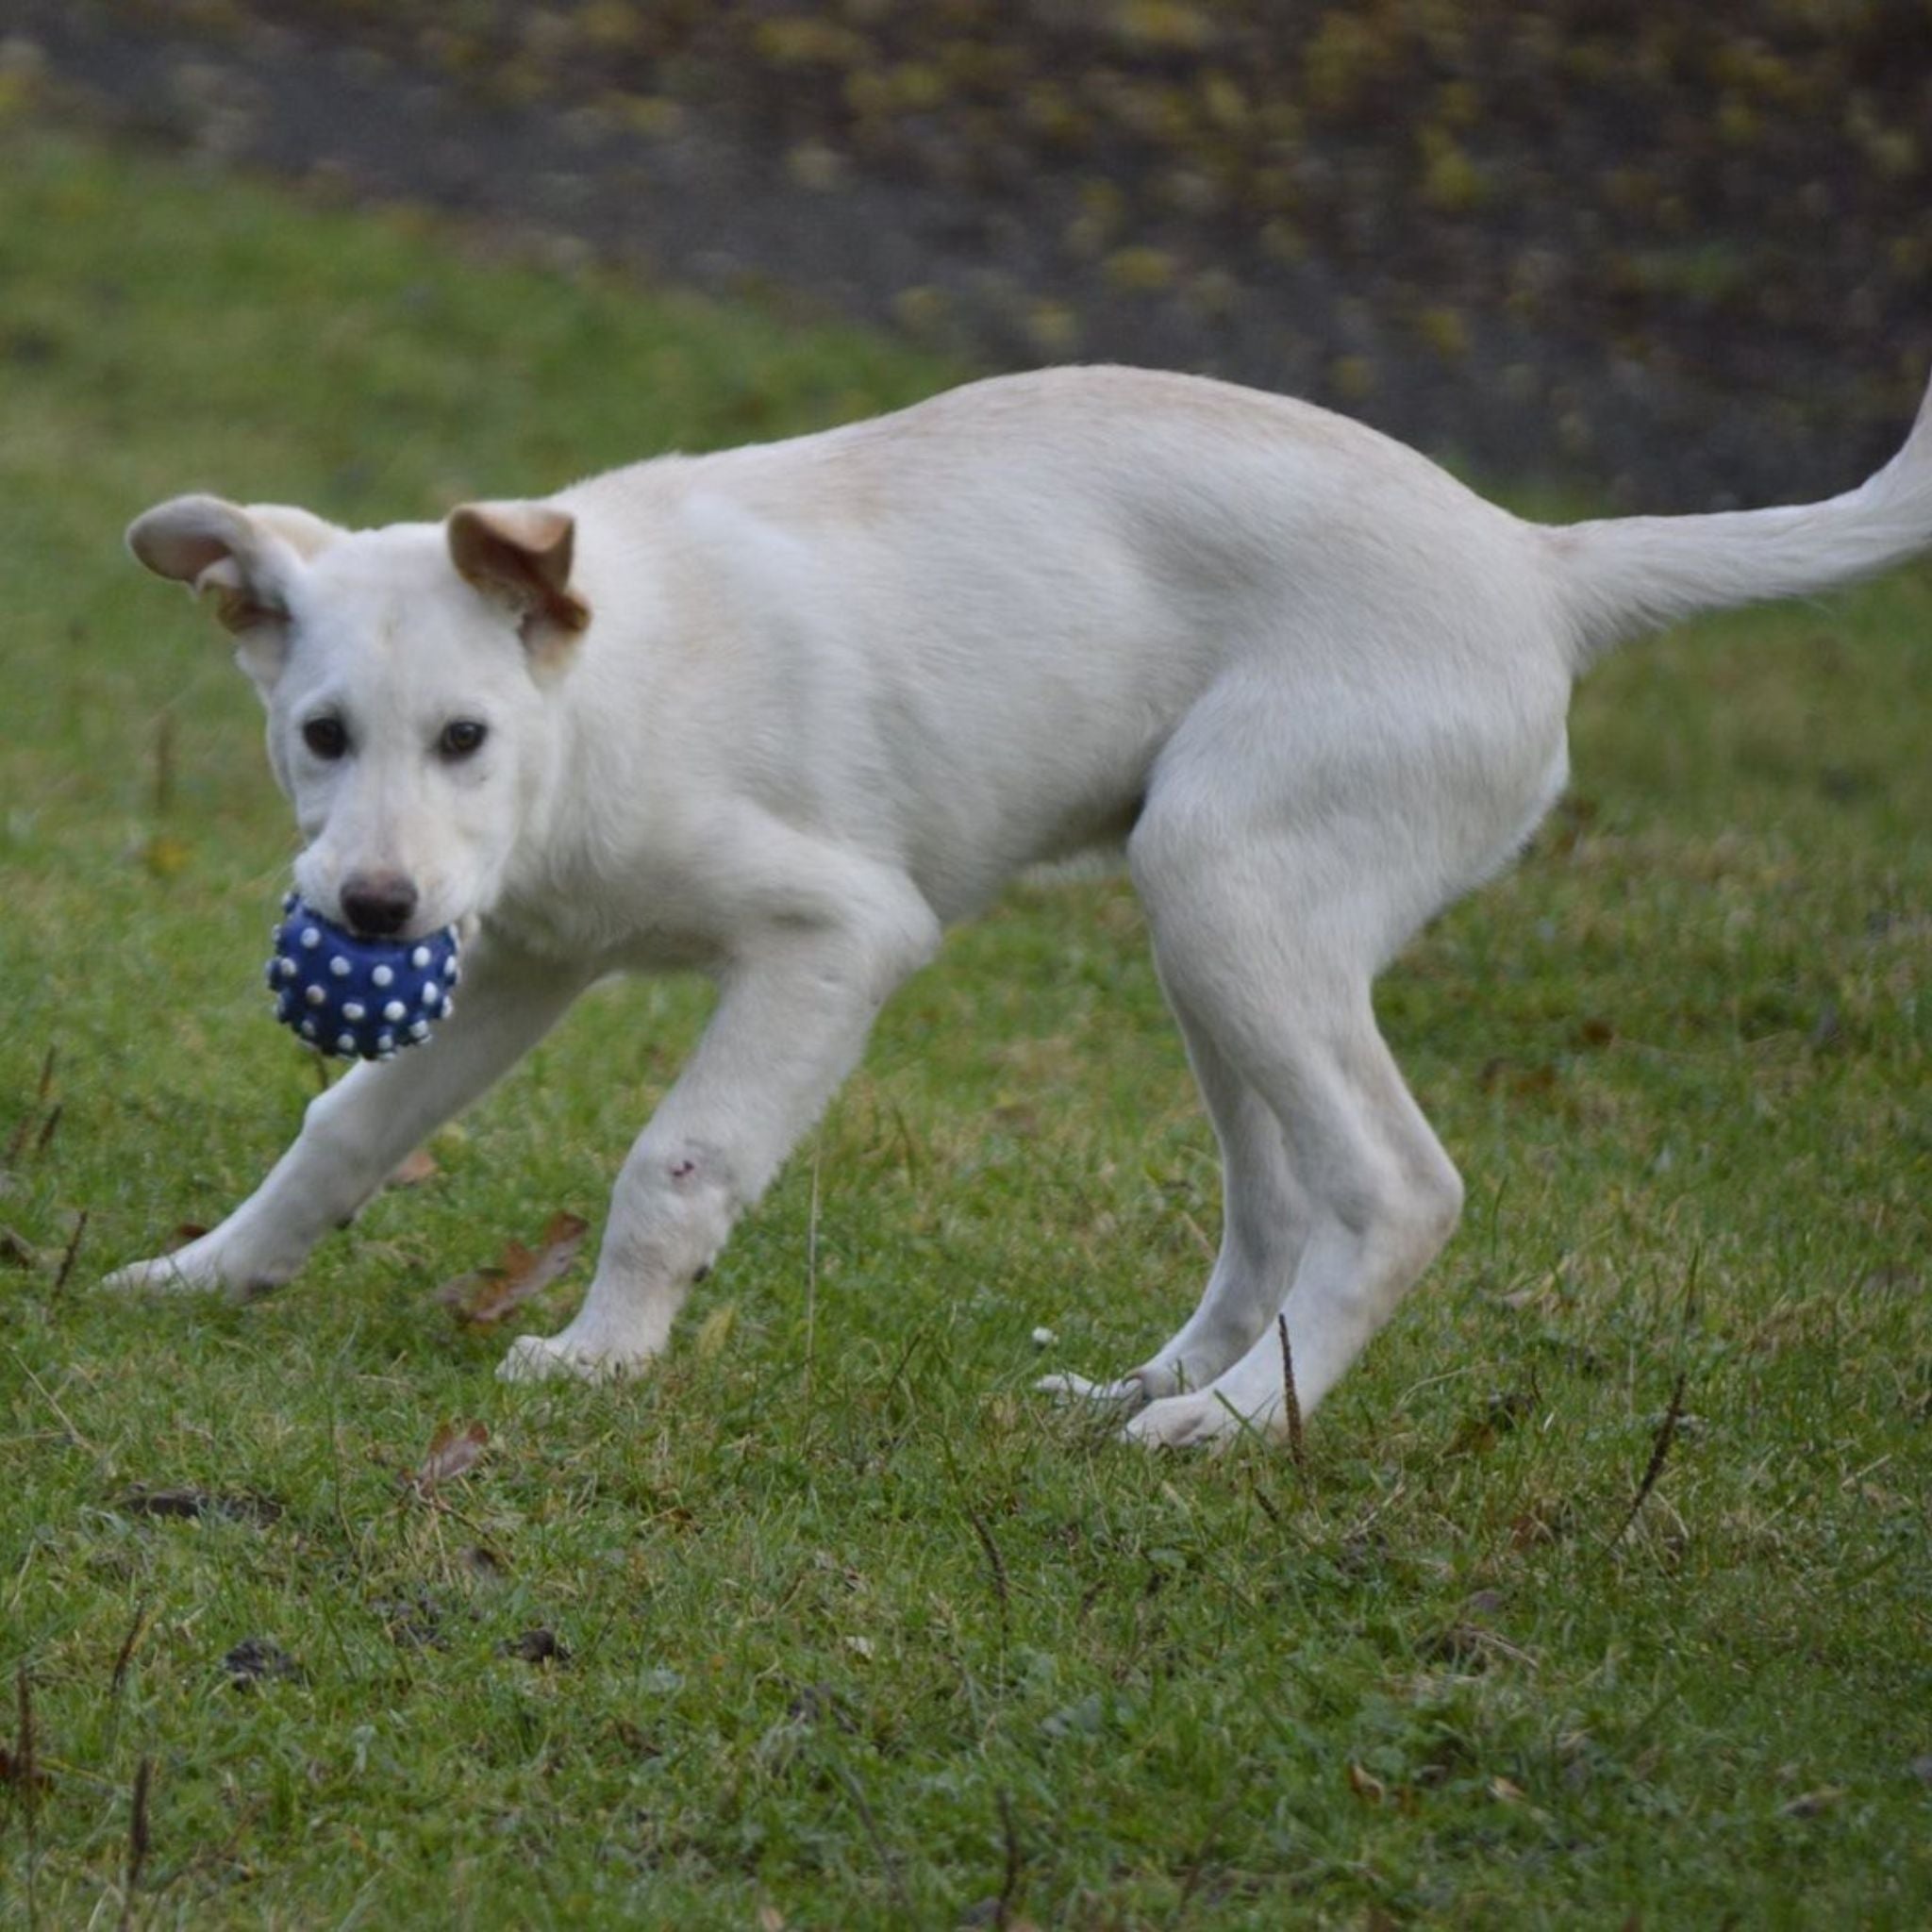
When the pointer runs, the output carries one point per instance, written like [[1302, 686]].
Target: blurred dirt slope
[[1681, 254]]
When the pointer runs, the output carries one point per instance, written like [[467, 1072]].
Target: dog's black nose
[[377, 903]]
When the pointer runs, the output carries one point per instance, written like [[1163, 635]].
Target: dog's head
[[406, 672]]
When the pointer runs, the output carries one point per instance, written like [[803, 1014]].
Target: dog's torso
[[961, 638]]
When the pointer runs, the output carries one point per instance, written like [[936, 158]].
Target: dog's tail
[[1630, 574]]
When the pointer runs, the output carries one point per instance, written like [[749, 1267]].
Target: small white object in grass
[[1044, 1337]]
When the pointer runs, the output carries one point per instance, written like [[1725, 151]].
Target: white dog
[[782, 714]]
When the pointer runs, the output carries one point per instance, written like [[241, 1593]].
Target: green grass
[[860, 1632]]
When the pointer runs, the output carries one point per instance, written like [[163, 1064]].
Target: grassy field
[[832, 1623]]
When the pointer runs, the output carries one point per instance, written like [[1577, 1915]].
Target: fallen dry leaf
[[488, 1294], [715, 1331], [1811, 1803], [258, 1659], [541, 1645], [1366, 1786], [453, 1452], [195, 1505], [414, 1169], [166, 856], [484, 1564]]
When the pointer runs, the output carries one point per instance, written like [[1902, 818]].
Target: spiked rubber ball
[[358, 998]]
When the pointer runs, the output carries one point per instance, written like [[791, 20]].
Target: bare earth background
[[1680, 256]]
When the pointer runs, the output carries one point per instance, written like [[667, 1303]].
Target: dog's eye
[[325, 737], [462, 738]]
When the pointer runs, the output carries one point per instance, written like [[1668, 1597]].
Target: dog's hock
[[520, 554]]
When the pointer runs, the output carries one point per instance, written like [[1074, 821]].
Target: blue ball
[[357, 998]]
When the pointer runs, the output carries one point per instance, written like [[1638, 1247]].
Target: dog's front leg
[[791, 1023], [354, 1133]]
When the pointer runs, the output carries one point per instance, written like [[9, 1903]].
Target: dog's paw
[[1129, 1392], [561, 1358], [1202, 1420], [158, 1276], [203, 1267]]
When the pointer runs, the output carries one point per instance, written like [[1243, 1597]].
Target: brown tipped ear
[[520, 554], [244, 559]]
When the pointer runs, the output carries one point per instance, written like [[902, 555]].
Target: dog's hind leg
[[1269, 925], [1264, 1224], [1383, 1196]]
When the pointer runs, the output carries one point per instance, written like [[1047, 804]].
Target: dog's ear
[[243, 559], [520, 554]]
